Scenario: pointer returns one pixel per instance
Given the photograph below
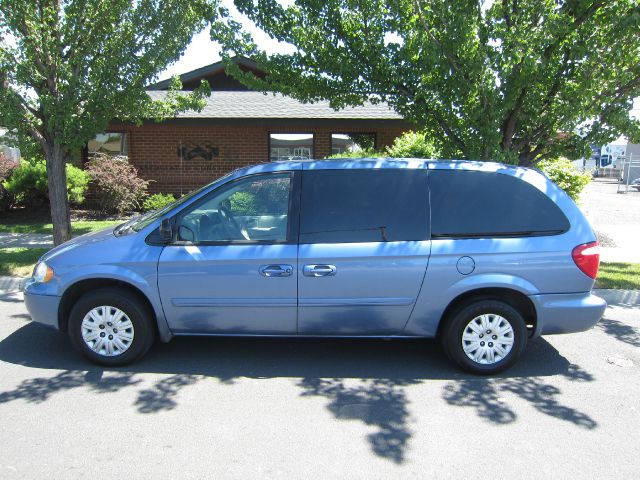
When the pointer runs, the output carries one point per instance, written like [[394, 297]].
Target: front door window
[[251, 209]]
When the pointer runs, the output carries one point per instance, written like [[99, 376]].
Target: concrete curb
[[11, 284], [620, 298]]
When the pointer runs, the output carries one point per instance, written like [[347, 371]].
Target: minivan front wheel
[[111, 327], [485, 337]]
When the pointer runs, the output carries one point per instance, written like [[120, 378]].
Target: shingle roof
[[223, 104]]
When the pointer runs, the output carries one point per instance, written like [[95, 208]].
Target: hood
[[86, 239]]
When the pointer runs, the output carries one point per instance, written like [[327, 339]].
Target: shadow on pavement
[[620, 331], [322, 367]]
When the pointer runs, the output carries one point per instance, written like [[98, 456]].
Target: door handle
[[275, 270], [319, 270]]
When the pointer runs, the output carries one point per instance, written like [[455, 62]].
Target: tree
[[511, 80], [69, 67]]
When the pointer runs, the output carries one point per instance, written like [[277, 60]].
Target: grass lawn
[[79, 227], [619, 275], [19, 262]]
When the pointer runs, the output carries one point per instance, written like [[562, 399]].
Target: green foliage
[[366, 153], [157, 201], [68, 68], [116, 183], [264, 198], [6, 167], [28, 184], [514, 82], [412, 145], [564, 174], [243, 203], [95, 58]]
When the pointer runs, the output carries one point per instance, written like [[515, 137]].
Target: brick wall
[[153, 150]]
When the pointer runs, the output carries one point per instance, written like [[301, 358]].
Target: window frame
[[374, 134], [293, 214], [313, 143], [124, 144]]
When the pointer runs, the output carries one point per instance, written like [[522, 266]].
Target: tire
[[493, 333], [98, 338]]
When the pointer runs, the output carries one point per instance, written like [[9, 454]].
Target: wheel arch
[[78, 289], [514, 298]]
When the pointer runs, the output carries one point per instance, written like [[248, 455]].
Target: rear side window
[[348, 206], [482, 204]]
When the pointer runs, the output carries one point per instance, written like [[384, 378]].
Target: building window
[[352, 143], [112, 144], [290, 146]]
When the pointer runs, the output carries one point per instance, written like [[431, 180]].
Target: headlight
[[42, 273]]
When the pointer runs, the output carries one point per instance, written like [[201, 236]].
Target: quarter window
[[483, 204], [348, 206], [251, 209]]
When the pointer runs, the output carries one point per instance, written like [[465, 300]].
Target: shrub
[[366, 153], [243, 203], [412, 145], [29, 186], [6, 167], [117, 186], [157, 201], [564, 174]]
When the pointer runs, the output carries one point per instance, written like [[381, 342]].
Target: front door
[[363, 249], [233, 266]]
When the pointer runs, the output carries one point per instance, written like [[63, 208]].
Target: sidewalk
[[28, 240]]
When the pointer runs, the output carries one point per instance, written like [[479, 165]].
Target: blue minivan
[[482, 256]]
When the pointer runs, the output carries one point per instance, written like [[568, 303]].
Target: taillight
[[587, 258]]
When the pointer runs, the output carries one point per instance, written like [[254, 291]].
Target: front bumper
[[567, 313], [42, 308]]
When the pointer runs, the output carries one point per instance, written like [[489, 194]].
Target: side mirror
[[166, 231]]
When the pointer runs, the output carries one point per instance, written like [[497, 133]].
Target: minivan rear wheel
[[111, 327], [485, 337]]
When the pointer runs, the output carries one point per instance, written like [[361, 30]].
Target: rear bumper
[[567, 313], [43, 308]]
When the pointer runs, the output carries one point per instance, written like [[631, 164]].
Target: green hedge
[[28, 184], [157, 201], [564, 174]]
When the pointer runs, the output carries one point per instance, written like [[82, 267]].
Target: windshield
[[141, 222]]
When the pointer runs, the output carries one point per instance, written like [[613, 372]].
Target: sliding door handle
[[319, 270]]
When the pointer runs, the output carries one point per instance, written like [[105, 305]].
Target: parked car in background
[[482, 256], [636, 184]]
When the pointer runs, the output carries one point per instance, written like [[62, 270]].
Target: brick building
[[239, 127]]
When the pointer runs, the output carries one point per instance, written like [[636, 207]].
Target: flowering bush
[[116, 184]]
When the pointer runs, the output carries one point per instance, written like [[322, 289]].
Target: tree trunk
[[57, 178]]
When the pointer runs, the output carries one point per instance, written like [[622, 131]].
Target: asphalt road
[[238, 408]]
